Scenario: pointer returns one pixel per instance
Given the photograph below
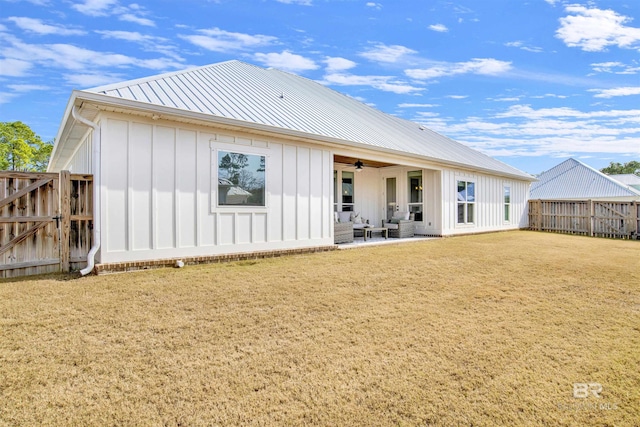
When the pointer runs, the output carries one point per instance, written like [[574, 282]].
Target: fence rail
[[617, 220], [45, 222]]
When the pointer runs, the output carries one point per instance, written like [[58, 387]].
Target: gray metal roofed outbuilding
[[574, 180]]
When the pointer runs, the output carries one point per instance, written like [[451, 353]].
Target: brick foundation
[[121, 267]]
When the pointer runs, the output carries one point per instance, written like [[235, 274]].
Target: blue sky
[[528, 82]]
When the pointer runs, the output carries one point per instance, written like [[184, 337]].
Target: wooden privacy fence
[[618, 220], [45, 222]]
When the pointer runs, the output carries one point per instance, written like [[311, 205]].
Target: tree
[[21, 149], [619, 168], [233, 163]]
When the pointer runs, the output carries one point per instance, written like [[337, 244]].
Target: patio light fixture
[[358, 165]]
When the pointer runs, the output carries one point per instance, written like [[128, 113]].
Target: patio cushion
[[360, 226], [401, 215], [344, 216]]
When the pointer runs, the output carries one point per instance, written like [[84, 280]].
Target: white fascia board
[[61, 129]]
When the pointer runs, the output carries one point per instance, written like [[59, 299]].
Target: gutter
[[96, 190]]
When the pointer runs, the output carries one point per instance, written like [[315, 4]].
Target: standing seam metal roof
[[573, 179], [241, 91]]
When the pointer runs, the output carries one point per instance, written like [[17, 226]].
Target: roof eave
[[78, 97]]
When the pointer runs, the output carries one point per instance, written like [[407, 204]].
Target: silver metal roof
[[629, 179], [244, 92], [573, 179]]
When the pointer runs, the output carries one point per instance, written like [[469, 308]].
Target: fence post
[[540, 206], [635, 217], [591, 218], [65, 214]]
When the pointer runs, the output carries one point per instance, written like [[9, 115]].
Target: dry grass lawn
[[484, 330]]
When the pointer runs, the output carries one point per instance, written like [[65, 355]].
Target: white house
[[163, 149]]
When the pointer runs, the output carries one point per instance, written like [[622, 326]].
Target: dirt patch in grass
[[484, 330]]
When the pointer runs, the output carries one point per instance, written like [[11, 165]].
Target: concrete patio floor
[[359, 242]]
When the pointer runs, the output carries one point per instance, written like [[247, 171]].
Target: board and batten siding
[[81, 161], [489, 213], [159, 194]]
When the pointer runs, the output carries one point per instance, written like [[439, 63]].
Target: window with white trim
[[466, 198], [241, 179], [414, 178], [347, 191], [507, 203]]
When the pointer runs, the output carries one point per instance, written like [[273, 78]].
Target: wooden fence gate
[[45, 222], [618, 220]]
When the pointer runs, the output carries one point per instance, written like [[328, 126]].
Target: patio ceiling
[[366, 163]]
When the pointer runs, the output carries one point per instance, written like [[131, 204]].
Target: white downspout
[[96, 190]]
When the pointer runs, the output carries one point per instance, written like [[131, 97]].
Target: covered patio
[[373, 192]]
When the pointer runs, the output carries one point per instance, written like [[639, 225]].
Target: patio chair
[[401, 225], [342, 232], [342, 228]]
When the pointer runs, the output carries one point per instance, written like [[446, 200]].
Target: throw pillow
[[344, 216]]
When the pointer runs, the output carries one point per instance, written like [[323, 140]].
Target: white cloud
[[527, 112], [507, 99], [11, 67], [27, 87], [95, 7], [218, 40], [86, 80], [377, 6], [384, 83], [22, 56], [614, 67], [6, 97], [439, 28], [618, 91], [523, 131], [338, 64], [149, 43], [483, 66], [521, 45], [593, 30], [549, 95], [457, 96], [286, 61], [36, 2], [129, 17], [38, 27], [383, 53], [408, 105], [427, 114], [131, 13], [131, 36], [300, 2]]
